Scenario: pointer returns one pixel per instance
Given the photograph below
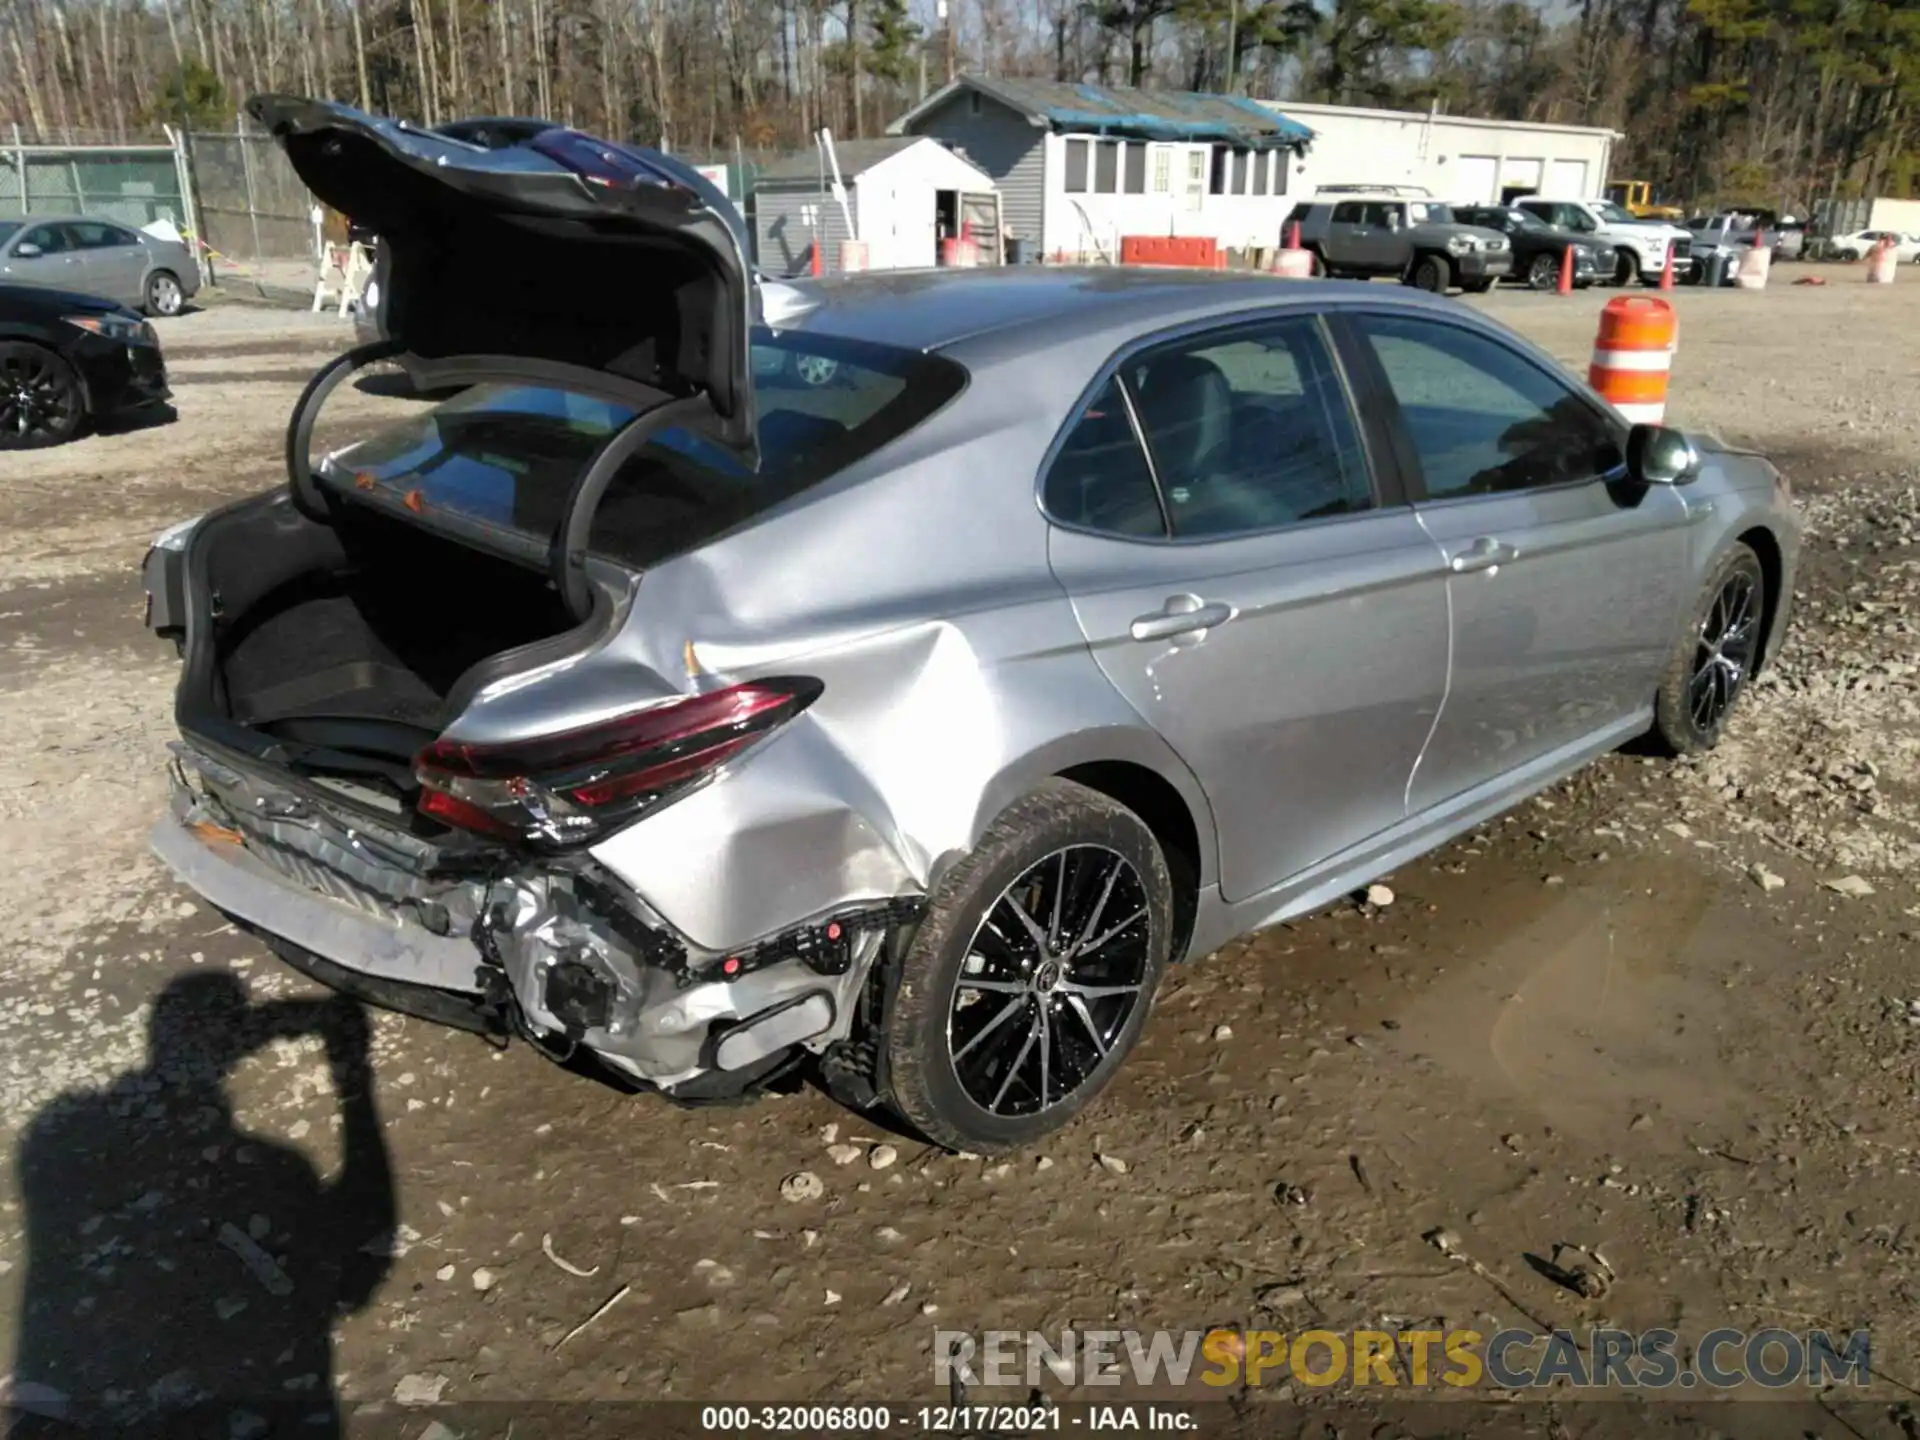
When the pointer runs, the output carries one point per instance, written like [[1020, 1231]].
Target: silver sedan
[[87, 255], [894, 675]]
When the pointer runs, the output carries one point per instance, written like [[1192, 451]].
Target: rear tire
[[1714, 656], [41, 399], [1431, 274], [999, 1035], [164, 295]]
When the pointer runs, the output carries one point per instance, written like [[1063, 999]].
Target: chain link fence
[[256, 218], [133, 184]]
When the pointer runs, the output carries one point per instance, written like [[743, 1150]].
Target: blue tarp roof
[[1136, 114]]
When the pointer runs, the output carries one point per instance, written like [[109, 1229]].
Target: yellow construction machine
[[1637, 197]]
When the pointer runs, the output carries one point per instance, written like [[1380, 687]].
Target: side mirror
[[1659, 456], [25, 250]]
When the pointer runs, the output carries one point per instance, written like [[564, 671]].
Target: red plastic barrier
[[1196, 251]]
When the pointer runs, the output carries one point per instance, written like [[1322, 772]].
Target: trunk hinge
[[569, 557], [306, 494]]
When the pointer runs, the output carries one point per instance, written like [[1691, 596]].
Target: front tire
[[1626, 268], [1543, 273], [1431, 274], [41, 398], [1714, 656], [164, 295], [1033, 973]]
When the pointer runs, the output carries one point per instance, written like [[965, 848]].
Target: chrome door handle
[[1183, 615], [1483, 554]]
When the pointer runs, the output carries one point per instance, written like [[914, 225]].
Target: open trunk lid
[[557, 257]]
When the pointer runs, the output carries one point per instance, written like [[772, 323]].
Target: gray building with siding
[[1079, 166]]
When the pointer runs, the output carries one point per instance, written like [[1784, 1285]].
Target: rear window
[[502, 459]]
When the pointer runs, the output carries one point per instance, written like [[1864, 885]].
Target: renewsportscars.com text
[[1217, 1359]]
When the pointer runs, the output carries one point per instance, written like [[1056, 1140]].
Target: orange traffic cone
[[1293, 236], [817, 272], [1565, 287], [1666, 271]]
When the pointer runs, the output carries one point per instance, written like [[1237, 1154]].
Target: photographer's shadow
[[183, 1275]]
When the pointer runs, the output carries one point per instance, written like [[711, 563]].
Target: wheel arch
[[1164, 811], [1137, 769], [1766, 546]]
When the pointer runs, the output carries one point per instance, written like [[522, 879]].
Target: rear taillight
[[571, 788]]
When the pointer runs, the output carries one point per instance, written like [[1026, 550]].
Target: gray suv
[[1417, 240]]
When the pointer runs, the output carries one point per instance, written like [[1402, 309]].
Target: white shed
[[1081, 167], [1455, 158], [906, 193]]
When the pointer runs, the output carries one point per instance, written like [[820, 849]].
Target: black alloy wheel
[[40, 397], [1723, 658], [1032, 975], [1715, 655], [1053, 975]]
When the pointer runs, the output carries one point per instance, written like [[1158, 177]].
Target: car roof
[[1049, 305]]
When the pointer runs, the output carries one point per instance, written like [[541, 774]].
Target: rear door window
[[1250, 430], [502, 459]]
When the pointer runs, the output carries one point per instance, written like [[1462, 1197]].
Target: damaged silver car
[[893, 675]]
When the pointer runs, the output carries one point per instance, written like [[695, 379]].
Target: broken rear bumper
[[559, 953]]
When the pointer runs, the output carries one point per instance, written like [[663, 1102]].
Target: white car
[[1860, 243], [1640, 247]]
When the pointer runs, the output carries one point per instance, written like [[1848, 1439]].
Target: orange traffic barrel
[[1632, 356]]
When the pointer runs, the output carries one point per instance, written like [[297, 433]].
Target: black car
[[1539, 248], [66, 359]]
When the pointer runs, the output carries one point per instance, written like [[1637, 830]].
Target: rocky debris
[[801, 1186], [843, 1153], [1112, 1164], [1851, 886], [1765, 878], [882, 1156], [1379, 896], [420, 1389]]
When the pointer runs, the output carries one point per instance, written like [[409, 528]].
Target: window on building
[[1222, 170], [1106, 168], [1262, 168], [1134, 171], [1282, 163], [1240, 167], [1162, 169], [1077, 167]]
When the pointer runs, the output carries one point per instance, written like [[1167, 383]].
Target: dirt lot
[[1591, 1022]]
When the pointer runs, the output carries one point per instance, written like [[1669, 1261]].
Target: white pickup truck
[[1640, 247]]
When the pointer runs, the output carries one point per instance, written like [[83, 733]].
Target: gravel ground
[[1665, 1010]]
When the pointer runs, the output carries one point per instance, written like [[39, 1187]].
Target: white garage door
[[1471, 182], [1568, 180]]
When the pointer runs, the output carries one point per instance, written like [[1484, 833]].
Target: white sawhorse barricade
[[344, 271]]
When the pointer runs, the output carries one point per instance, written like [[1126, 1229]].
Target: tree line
[[1767, 102]]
